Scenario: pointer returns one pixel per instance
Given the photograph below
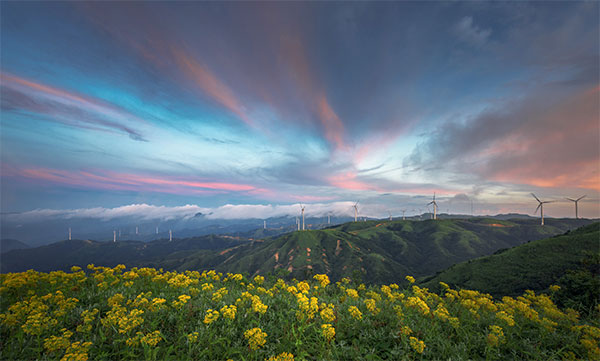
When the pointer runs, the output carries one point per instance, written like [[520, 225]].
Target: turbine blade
[[572, 200], [538, 207], [536, 198], [583, 196]]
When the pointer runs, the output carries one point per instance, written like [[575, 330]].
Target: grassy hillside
[[534, 265], [384, 251]]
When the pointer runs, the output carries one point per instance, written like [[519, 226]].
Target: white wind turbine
[[114, 236], [390, 215], [540, 207], [302, 208], [355, 206], [575, 201], [403, 211], [434, 206], [69, 233]]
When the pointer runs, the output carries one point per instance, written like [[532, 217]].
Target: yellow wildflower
[[417, 344], [371, 306], [151, 339], [284, 356], [328, 331], [352, 293], [410, 279], [193, 337], [322, 279], [327, 314], [229, 311], [77, 351], [211, 316], [256, 338], [56, 343], [495, 336], [355, 312]]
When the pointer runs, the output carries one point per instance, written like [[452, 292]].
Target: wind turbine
[[575, 201], [355, 206], [540, 207], [69, 233], [114, 236], [390, 215], [302, 208], [170, 235], [264, 224], [434, 206], [156, 229], [403, 211], [329, 219], [136, 230]]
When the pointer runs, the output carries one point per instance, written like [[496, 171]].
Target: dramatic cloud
[[275, 103], [69, 108]]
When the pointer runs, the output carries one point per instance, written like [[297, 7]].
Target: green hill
[[381, 251], [535, 265]]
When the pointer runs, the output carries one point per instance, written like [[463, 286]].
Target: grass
[[534, 265]]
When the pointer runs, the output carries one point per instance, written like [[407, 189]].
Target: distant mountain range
[[375, 250]]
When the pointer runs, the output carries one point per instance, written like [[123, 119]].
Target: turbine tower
[[329, 219], [390, 215], [136, 230], [403, 211], [114, 236], [575, 201], [540, 207], [170, 235], [355, 211], [69, 233], [298, 223], [264, 224], [434, 206], [302, 208], [156, 229]]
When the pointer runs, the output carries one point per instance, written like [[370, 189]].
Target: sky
[[260, 106]]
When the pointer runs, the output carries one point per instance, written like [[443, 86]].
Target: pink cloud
[[126, 181], [348, 181], [210, 84]]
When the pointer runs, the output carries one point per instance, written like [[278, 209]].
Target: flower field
[[114, 313]]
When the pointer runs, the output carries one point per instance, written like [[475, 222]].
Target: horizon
[[245, 109]]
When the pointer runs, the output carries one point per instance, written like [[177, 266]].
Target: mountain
[[376, 250], [386, 251], [64, 254], [535, 265], [7, 244]]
